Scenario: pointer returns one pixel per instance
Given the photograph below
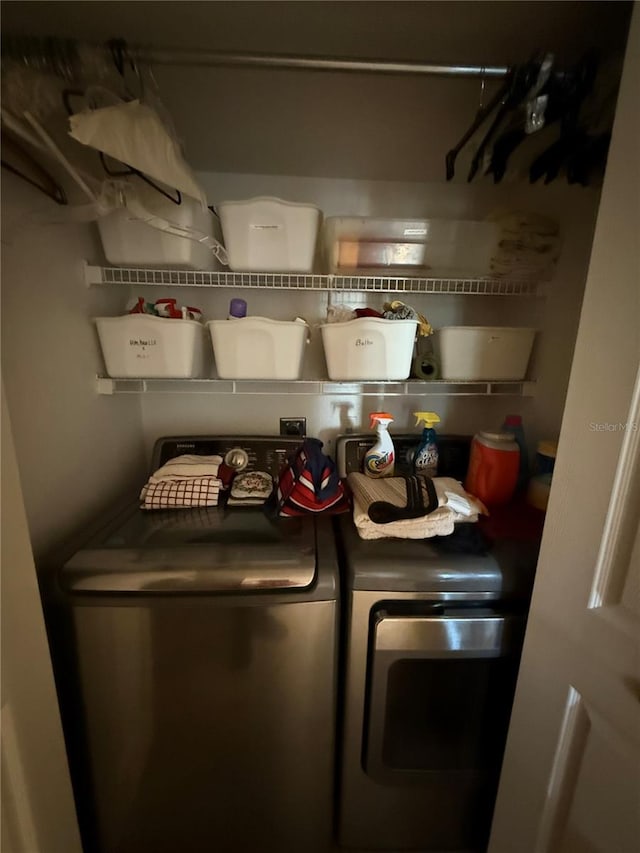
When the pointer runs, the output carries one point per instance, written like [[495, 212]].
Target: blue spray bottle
[[426, 459]]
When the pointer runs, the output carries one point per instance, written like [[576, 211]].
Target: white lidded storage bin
[[129, 242], [424, 247], [269, 235], [142, 346], [483, 352], [369, 348], [258, 348]]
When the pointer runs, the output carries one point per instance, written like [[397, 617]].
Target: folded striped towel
[[184, 481], [180, 494], [454, 505], [187, 467]]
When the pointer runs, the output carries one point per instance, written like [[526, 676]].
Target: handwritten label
[[141, 342]]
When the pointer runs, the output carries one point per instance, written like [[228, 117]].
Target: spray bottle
[[380, 460], [426, 459]]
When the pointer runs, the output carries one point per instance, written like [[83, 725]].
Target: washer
[[204, 645], [431, 652]]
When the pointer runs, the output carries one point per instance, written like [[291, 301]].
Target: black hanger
[[450, 160], [130, 171], [521, 81], [41, 179], [573, 87], [537, 111]]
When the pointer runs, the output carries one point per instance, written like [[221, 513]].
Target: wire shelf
[[445, 286], [298, 281], [204, 278], [108, 385]]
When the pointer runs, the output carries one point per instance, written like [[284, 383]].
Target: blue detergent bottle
[[426, 459]]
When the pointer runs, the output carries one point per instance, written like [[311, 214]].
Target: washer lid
[[420, 565], [200, 550]]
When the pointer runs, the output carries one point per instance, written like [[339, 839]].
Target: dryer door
[[440, 689]]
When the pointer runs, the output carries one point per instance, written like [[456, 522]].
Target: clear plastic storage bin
[[143, 346], [483, 352], [258, 347], [369, 348], [269, 235], [426, 247], [129, 242]]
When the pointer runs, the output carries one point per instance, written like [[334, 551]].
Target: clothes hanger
[[130, 171], [39, 178], [482, 114], [535, 113], [520, 83], [574, 87]]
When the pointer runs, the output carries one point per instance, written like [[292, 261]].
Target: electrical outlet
[[293, 426]]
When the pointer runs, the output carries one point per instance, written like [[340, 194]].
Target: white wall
[[38, 813], [76, 450], [574, 207]]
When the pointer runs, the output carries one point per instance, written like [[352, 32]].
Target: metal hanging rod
[[63, 55], [212, 58]]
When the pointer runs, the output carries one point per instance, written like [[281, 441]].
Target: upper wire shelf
[[253, 387], [298, 281]]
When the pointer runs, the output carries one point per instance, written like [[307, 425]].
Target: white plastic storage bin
[[425, 247], [139, 345], [369, 348], [258, 348], [129, 242], [483, 352], [269, 235]]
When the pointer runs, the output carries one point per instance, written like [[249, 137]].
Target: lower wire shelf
[[408, 387]]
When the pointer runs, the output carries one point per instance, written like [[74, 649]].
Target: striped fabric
[[454, 506], [188, 466], [310, 484]]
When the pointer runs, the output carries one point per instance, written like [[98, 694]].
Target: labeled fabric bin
[[128, 241], [369, 348], [142, 346], [258, 347], [483, 352], [269, 235]]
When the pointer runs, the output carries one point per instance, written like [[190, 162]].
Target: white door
[[571, 775], [38, 814]]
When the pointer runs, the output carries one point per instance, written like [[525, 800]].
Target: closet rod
[[162, 56], [63, 57]]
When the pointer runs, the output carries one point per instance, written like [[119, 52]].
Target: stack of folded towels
[[410, 507], [185, 481]]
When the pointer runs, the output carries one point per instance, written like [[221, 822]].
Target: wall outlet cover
[[293, 426]]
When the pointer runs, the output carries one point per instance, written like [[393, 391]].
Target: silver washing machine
[[204, 644], [431, 652]]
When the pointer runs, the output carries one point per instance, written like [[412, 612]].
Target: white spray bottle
[[380, 460]]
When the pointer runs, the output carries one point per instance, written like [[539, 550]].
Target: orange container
[[493, 467]]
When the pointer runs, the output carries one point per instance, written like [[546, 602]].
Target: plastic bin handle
[[140, 212]]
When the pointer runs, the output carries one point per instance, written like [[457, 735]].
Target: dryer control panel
[[453, 453]]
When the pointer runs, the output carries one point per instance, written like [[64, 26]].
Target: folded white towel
[[454, 505], [439, 523], [187, 467]]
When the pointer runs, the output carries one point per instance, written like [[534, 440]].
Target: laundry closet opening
[[428, 170]]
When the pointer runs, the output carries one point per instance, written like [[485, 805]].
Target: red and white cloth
[[183, 482]]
